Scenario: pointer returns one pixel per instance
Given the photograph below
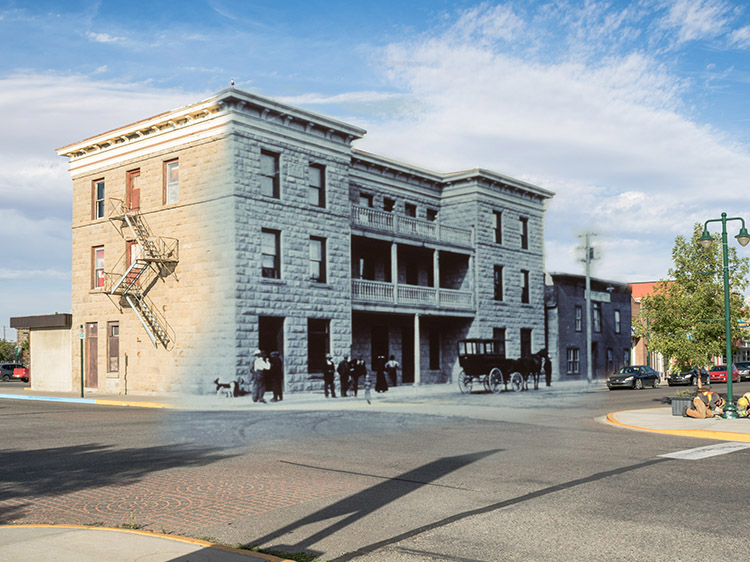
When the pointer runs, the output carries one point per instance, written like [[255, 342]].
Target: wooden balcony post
[[417, 347], [394, 270]]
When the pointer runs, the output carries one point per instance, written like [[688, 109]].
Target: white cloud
[[103, 37], [741, 37], [698, 19]]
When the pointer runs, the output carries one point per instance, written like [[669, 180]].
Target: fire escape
[[148, 259]]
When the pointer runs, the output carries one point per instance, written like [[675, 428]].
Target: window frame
[[97, 268], [317, 353], [410, 210], [497, 283], [579, 318], [321, 261], [525, 289], [366, 199], [274, 178], [499, 335], [524, 232], [389, 204], [275, 271], [319, 190], [596, 317], [618, 322], [573, 361], [113, 361], [167, 183], [498, 228], [98, 213]]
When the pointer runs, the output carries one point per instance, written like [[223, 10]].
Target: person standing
[[358, 370], [344, 369], [276, 374], [547, 370], [391, 367], [260, 368], [381, 385], [329, 373]]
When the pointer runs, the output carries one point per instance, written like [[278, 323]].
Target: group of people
[[267, 370], [350, 372]]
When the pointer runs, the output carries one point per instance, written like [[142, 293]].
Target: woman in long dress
[[381, 384]]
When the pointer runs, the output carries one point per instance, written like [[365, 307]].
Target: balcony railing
[[366, 217], [378, 292]]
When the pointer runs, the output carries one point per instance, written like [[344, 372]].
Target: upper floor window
[[524, 233], [432, 215], [498, 283], [269, 174], [579, 318], [596, 321], [171, 181], [365, 199], [133, 189], [97, 255], [498, 227], [618, 326], [410, 210], [270, 253], [98, 188], [524, 285], [318, 259], [316, 190], [389, 204]]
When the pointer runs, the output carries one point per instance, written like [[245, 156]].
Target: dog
[[226, 389]]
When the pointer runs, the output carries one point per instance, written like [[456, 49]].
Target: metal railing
[[410, 226]]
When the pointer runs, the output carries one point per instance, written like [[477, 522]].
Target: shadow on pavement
[[370, 500], [59, 470]]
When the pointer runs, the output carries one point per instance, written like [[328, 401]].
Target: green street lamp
[[730, 412]]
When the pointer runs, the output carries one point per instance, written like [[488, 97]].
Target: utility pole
[[588, 253]]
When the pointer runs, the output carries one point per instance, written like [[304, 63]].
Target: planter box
[[680, 404]]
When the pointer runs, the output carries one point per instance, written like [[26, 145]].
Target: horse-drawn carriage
[[483, 362]]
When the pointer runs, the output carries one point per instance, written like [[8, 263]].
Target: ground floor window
[[525, 342], [434, 349], [498, 334], [113, 347], [318, 343], [574, 361], [610, 361]]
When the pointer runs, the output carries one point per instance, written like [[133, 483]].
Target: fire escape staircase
[[158, 258]]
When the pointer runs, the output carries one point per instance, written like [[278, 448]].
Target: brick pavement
[[184, 501]]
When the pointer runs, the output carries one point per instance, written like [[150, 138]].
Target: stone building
[[566, 326], [240, 222]]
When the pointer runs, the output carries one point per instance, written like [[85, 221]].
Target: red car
[[718, 373]]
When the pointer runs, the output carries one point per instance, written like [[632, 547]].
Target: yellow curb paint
[[700, 433], [199, 542], [102, 402]]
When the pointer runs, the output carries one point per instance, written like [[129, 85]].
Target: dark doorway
[[271, 334], [92, 355], [318, 343], [379, 340], [525, 342], [407, 354]]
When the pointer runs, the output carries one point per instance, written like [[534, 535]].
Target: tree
[[7, 350], [683, 318]]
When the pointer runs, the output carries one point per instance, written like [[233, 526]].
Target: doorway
[[407, 354], [271, 334], [92, 355], [379, 340]]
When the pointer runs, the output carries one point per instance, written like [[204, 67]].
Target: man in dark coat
[[329, 372], [343, 369], [276, 374]]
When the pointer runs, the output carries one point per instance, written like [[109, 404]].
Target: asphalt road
[[553, 483]]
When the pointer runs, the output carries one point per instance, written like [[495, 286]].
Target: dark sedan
[[688, 376], [633, 376]]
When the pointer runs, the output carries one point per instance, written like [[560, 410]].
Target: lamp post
[[730, 412]]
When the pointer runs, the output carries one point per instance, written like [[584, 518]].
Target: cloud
[[103, 37], [741, 37], [698, 19]]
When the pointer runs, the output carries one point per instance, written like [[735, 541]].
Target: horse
[[531, 365]]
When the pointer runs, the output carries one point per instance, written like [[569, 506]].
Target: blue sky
[[635, 113]]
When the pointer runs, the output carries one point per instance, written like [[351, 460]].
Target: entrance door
[[379, 340], [271, 334], [407, 354], [92, 356], [133, 190]]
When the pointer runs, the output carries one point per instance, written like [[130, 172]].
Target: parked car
[[6, 371], [744, 370], [718, 373], [20, 374], [688, 375], [634, 376]]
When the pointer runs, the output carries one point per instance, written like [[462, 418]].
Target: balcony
[[373, 219], [378, 292]]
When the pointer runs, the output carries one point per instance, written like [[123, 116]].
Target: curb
[[189, 540], [96, 401], [699, 433]]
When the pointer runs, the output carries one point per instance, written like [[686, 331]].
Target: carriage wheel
[[495, 380], [464, 382], [516, 382]]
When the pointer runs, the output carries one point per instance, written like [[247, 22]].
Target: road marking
[[709, 451]]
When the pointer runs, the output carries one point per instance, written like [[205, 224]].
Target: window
[[98, 189], [432, 215], [269, 174], [524, 286], [270, 250], [171, 181], [625, 357], [596, 321], [434, 349], [525, 342], [133, 190], [113, 347], [98, 267], [318, 259], [618, 327], [574, 361], [316, 191], [498, 334], [365, 200], [524, 233], [410, 210], [318, 342], [389, 204], [579, 318], [498, 287], [610, 361], [498, 227]]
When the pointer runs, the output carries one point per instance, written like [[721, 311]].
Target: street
[[547, 482]]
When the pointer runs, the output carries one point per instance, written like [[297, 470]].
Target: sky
[[634, 113]]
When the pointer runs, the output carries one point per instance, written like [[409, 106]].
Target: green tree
[[7, 350], [683, 317]]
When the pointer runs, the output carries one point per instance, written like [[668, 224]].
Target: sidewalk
[[661, 420], [63, 543]]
